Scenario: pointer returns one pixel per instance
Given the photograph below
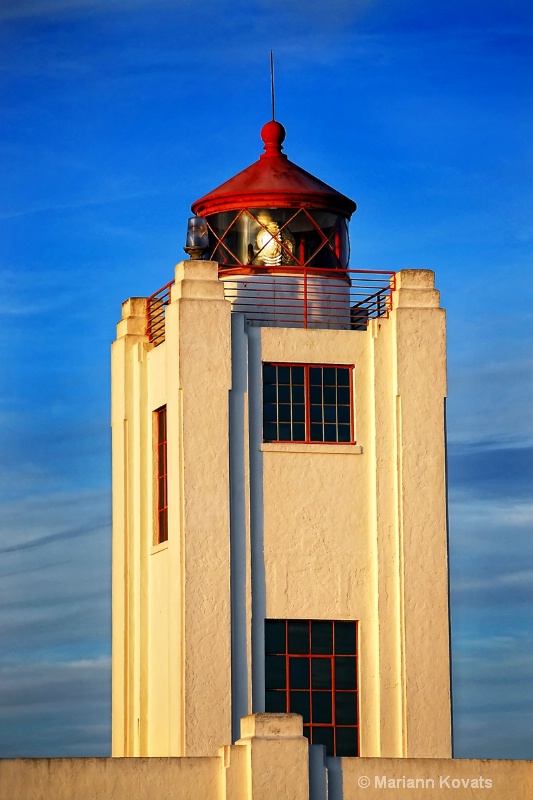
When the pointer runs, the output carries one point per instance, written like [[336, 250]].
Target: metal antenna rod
[[272, 80]]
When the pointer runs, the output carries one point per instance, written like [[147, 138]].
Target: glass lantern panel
[[277, 237]]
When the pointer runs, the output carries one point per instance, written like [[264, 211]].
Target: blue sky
[[116, 116]]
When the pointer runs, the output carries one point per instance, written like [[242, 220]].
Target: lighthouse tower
[[279, 497]]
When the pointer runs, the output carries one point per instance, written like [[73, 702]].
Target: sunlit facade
[[279, 499]]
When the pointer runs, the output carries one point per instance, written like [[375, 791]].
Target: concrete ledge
[[436, 779], [117, 778], [278, 726], [301, 447]]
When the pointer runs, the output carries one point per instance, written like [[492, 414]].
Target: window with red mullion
[[162, 477], [309, 403], [311, 669]]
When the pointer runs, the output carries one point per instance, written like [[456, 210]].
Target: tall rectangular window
[[162, 479], [307, 403], [311, 669]]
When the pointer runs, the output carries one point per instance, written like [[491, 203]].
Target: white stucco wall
[[317, 531]]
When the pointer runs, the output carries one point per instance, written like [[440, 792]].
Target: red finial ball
[[273, 135]]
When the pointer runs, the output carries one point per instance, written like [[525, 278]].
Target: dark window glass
[[298, 413], [162, 492], [274, 636], [345, 673], [344, 433], [321, 673], [298, 432], [330, 433], [298, 395], [313, 667], [284, 375], [324, 736], [300, 704], [347, 742], [270, 394], [275, 677], [284, 394], [163, 525], [270, 412], [322, 637], [269, 374], [345, 638], [322, 707], [284, 413], [298, 636], [330, 395], [276, 702], [343, 395], [330, 413], [315, 394], [343, 414], [270, 432], [298, 375], [317, 433], [284, 432], [330, 376], [316, 414], [346, 708], [343, 377], [299, 673]]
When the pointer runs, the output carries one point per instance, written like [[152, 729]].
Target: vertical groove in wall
[[373, 493], [239, 660], [401, 586], [248, 565], [257, 559], [181, 610], [126, 586], [135, 529], [145, 431]]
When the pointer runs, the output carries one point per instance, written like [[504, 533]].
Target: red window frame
[[291, 697], [308, 437], [162, 475]]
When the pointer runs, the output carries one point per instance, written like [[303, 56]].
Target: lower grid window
[[307, 403], [311, 669]]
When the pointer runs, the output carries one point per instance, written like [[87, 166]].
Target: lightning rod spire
[[272, 81]]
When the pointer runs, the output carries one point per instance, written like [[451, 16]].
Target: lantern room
[[275, 214], [280, 237]]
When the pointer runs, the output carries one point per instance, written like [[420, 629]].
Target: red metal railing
[[285, 297], [156, 306], [309, 298]]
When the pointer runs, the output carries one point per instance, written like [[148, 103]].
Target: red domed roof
[[273, 182]]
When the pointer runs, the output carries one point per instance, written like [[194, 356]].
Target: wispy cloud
[[490, 400], [43, 541], [55, 625], [55, 707]]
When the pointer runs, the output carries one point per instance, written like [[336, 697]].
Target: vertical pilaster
[[198, 345], [420, 385], [127, 378]]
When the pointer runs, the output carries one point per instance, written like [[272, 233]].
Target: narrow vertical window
[[162, 482]]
